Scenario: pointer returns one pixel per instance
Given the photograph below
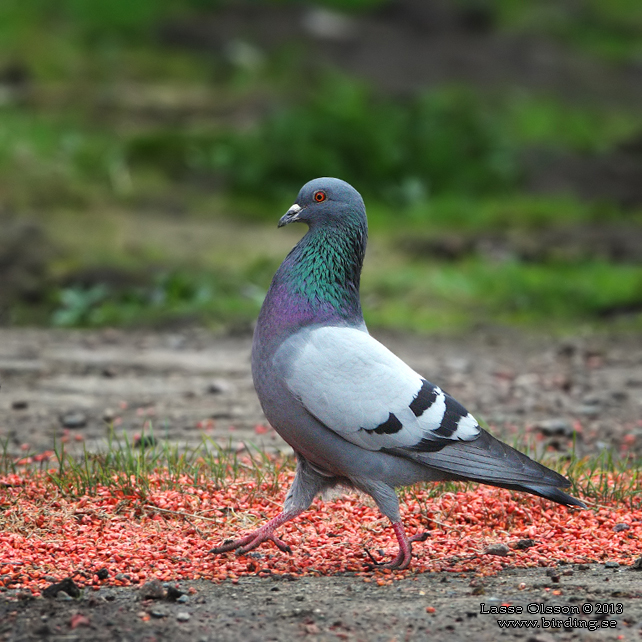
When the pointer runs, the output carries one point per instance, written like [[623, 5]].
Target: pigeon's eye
[[319, 196]]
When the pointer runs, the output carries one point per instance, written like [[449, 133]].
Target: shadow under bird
[[354, 413]]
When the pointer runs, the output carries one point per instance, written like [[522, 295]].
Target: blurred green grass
[[447, 141], [125, 153], [610, 30], [47, 34]]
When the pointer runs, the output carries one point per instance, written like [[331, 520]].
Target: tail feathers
[[490, 461], [554, 494]]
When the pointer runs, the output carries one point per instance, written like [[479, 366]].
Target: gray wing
[[359, 389]]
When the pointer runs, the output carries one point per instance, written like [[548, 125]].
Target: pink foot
[[402, 560], [255, 538]]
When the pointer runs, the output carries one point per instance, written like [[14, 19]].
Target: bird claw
[[402, 560], [249, 543], [419, 537], [375, 563], [281, 545], [229, 545], [257, 537], [399, 563]]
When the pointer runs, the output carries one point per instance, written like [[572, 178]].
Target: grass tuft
[[132, 469], [125, 469]]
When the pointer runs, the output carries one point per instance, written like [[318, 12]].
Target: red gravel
[[166, 534]]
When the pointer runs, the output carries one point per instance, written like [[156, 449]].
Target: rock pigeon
[[354, 413]]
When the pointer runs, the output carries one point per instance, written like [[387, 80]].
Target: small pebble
[[589, 410], [68, 586], [73, 420], [557, 427], [523, 544], [611, 565], [183, 616], [174, 594], [19, 404], [159, 612], [216, 387], [497, 549], [43, 630], [146, 441], [621, 527], [152, 590]]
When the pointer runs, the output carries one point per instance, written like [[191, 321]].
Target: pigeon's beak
[[291, 215]]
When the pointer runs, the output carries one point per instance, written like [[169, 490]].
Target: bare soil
[[186, 384], [528, 388], [346, 608]]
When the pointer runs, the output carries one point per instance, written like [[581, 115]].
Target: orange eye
[[319, 196]]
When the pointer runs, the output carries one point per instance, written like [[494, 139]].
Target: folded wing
[[359, 389], [362, 391]]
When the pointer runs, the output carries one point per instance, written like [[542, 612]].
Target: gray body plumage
[[353, 412], [327, 458], [332, 459]]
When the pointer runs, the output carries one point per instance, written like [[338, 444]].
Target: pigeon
[[355, 414]]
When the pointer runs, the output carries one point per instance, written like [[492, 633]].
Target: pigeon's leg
[[305, 487], [388, 504], [405, 547], [255, 538]]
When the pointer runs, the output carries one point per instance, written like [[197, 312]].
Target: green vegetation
[[402, 152], [427, 296], [434, 296], [168, 168], [451, 141], [611, 30], [217, 299], [129, 469], [52, 161], [606, 478]]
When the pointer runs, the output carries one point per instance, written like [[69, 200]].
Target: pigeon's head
[[327, 202]]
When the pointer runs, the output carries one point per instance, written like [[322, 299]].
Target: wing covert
[[362, 391]]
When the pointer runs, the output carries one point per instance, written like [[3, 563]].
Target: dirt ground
[[187, 384], [436, 606], [530, 389]]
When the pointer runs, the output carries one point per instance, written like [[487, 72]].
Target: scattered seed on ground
[[116, 537]]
